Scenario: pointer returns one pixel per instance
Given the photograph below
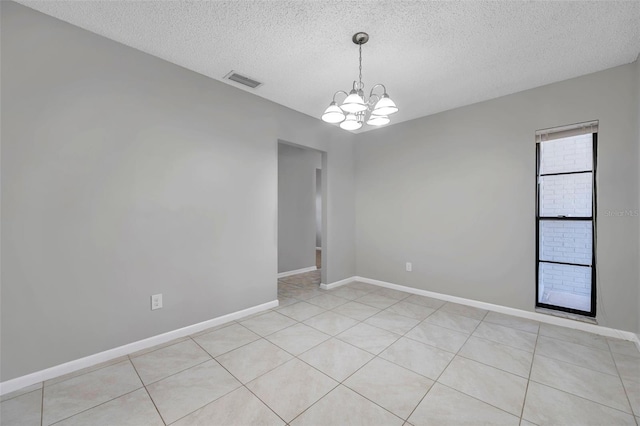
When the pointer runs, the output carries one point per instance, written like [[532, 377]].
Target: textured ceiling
[[432, 56]]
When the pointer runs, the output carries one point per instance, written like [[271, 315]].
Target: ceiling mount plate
[[360, 38]]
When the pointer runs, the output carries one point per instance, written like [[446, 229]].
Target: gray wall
[[319, 207], [124, 176], [296, 207], [637, 63], [454, 193]]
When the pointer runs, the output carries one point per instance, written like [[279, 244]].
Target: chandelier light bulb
[[385, 106], [333, 114], [378, 120], [351, 123], [354, 103]]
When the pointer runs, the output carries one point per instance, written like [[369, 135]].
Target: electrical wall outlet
[[156, 302], [408, 267]]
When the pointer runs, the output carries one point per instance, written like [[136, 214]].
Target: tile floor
[[356, 355]]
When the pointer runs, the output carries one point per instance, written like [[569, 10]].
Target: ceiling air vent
[[234, 76]]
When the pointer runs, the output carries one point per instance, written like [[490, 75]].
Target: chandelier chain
[[360, 66]]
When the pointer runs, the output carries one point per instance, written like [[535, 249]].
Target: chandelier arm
[[339, 91], [373, 88], [373, 99]]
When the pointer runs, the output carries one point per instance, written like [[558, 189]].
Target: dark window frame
[[592, 218]]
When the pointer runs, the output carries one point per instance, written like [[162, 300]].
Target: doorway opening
[[302, 260]]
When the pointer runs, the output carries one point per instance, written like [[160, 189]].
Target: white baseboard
[[91, 360], [548, 319], [337, 283], [297, 271]]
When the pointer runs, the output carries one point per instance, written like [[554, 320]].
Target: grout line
[[265, 404], [241, 383], [147, 391], [42, 407], [177, 372], [626, 393], [526, 390], [96, 406], [91, 369], [445, 368], [582, 397]]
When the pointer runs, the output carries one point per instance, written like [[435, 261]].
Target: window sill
[[567, 315]]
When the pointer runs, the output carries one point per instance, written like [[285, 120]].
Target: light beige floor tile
[[97, 366], [371, 339], [349, 293], [226, 339], [302, 310], [574, 353], [24, 409], [250, 361], [453, 321], [496, 387], [429, 302], [394, 294], [497, 355], [434, 335], [522, 324], [574, 336], [26, 389], [286, 294], [132, 409], [336, 358], [418, 357], [593, 385], [297, 338], [306, 278], [507, 336], [632, 387], [238, 408], [411, 310], [524, 422], [306, 293], [628, 366], [392, 322], [390, 386], [363, 286], [159, 364], [377, 300], [464, 310], [327, 301], [80, 393], [268, 323], [623, 347], [181, 394], [331, 323], [342, 406], [446, 406], [291, 388], [548, 406], [356, 310]]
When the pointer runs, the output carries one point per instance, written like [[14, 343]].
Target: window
[[565, 218]]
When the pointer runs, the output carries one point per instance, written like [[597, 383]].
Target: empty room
[[319, 213]]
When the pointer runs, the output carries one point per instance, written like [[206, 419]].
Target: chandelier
[[356, 109]]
